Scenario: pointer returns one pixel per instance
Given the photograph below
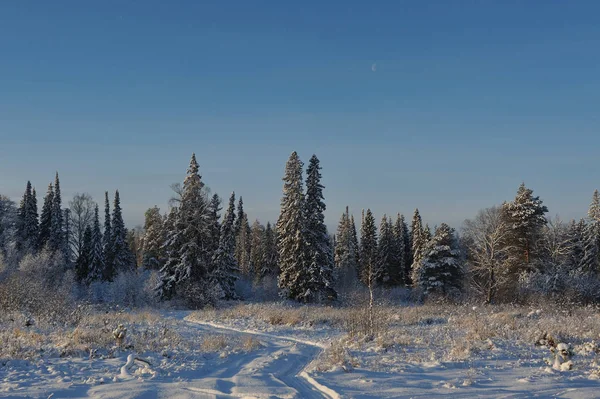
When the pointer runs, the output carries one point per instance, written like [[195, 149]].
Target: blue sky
[[446, 106]]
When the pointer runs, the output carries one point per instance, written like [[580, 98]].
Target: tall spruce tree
[[27, 225], [97, 261], [293, 278], [591, 252], [56, 241], [346, 248], [320, 253], [225, 270], [240, 215], [46, 219], [189, 257], [369, 270], [400, 237], [242, 245], [440, 269], [107, 241], [418, 242], [525, 218], [122, 259]]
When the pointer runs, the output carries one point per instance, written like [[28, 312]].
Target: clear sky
[[447, 106]]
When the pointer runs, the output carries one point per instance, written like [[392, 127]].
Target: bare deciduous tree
[[485, 240], [82, 215]]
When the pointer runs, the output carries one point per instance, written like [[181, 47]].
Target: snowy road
[[277, 371]]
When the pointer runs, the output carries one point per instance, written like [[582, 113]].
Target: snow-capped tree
[[56, 241], [576, 234], [399, 251], [27, 226], [97, 262], [46, 219], [369, 270], [257, 248], [525, 219], [320, 253], [153, 257], [8, 221], [418, 241], [591, 253], [225, 270], [293, 262], [240, 216], [122, 258], [81, 216], [186, 270], [441, 269], [386, 262]]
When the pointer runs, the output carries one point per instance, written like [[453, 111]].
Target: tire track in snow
[[300, 380]]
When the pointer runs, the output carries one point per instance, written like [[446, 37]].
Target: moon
[[374, 67]]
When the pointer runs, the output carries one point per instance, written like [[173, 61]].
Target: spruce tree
[[440, 269], [67, 236], [293, 263], [240, 215], [525, 218], [46, 219], [122, 258], [242, 245], [56, 241], [189, 257], [346, 248], [591, 252], [355, 240], [97, 261], [27, 225], [386, 262], [153, 257], [418, 241], [83, 263], [225, 268], [369, 272], [320, 253]]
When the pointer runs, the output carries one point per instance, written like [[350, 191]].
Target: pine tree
[[320, 253], [257, 249], [84, 260], [293, 263], [400, 233], [97, 263], [346, 248], [225, 268], [369, 272], [440, 269], [189, 258], [46, 219], [591, 252], [386, 267], [122, 258], [56, 241], [215, 226], [525, 217], [107, 242], [418, 242], [153, 257]]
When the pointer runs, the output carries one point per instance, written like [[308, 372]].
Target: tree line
[[504, 253]]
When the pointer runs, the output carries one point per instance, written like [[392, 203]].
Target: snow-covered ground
[[273, 351]]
